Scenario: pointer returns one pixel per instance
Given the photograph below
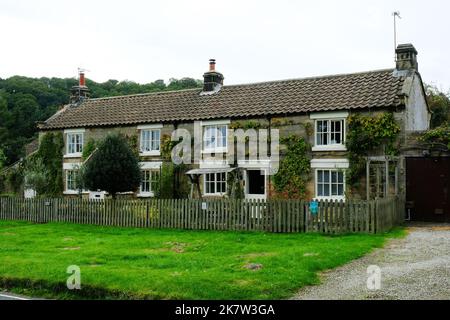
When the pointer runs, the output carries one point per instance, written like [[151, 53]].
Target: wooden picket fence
[[282, 216]]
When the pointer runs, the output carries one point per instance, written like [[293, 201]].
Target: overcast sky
[[252, 40]]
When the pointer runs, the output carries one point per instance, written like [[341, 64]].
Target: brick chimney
[[406, 57], [212, 80], [79, 92]]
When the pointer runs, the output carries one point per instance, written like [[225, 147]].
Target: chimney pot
[[212, 64], [82, 81]]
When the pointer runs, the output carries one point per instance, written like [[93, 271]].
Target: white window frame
[[149, 166], [151, 129], [150, 192], [337, 165], [216, 125], [215, 193], [329, 117], [68, 190], [331, 196], [71, 166], [68, 134]]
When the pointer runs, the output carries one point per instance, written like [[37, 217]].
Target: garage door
[[427, 189]]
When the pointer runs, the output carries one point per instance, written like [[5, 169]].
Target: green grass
[[169, 264]]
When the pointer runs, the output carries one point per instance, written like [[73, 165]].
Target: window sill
[[335, 147], [145, 195], [214, 194], [73, 155], [334, 198], [74, 192], [149, 153], [209, 151]]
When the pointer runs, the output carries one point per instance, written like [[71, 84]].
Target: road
[[10, 296]]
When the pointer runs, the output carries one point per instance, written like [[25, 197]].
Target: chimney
[[212, 80], [406, 57], [80, 92]]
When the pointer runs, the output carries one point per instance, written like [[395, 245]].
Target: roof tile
[[350, 91]]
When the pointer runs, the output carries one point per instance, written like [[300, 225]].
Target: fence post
[[146, 214]]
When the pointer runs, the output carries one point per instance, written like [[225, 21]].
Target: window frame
[[330, 183], [330, 117], [67, 189], [224, 141], [68, 135], [151, 129], [150, 192], [215, 183], [215, 123], [329, 134]]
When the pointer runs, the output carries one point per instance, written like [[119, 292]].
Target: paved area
[[416, 267]]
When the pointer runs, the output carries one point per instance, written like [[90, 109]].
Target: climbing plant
[[166, 146], [293, 174], [90, 146], [235, 188], [366, 134]]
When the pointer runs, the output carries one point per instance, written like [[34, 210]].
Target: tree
[[439, 103], [36, 176], [113, 167]]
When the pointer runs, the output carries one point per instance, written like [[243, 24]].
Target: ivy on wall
[[172, 182], [365, 134], [234, 183], [90, 146], [293, 174]]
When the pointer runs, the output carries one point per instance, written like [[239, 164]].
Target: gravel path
[[416, 267]]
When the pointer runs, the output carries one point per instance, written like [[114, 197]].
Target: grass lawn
[[169, 264]]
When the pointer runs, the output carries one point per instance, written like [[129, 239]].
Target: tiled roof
[[372, 89]]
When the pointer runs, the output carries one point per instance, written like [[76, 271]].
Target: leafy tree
[[2, 158], [113, 167], [439, 103], [37, 176]]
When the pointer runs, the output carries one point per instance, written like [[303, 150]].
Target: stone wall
[[299, 125]]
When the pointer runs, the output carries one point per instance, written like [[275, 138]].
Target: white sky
[[251, 40]]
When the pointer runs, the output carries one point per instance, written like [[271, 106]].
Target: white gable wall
[[417, 116]]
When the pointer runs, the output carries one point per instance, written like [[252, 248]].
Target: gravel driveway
[[415, 267]]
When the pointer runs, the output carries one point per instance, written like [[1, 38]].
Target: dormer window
[[329, 131], [150, 140], [74, 142]]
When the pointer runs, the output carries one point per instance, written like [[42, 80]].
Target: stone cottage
[[315, 108]]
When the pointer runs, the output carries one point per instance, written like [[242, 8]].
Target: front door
[[255, 184], [428, 189]]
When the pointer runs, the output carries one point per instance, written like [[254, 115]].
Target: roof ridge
[[245, 84], [311, 78]]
